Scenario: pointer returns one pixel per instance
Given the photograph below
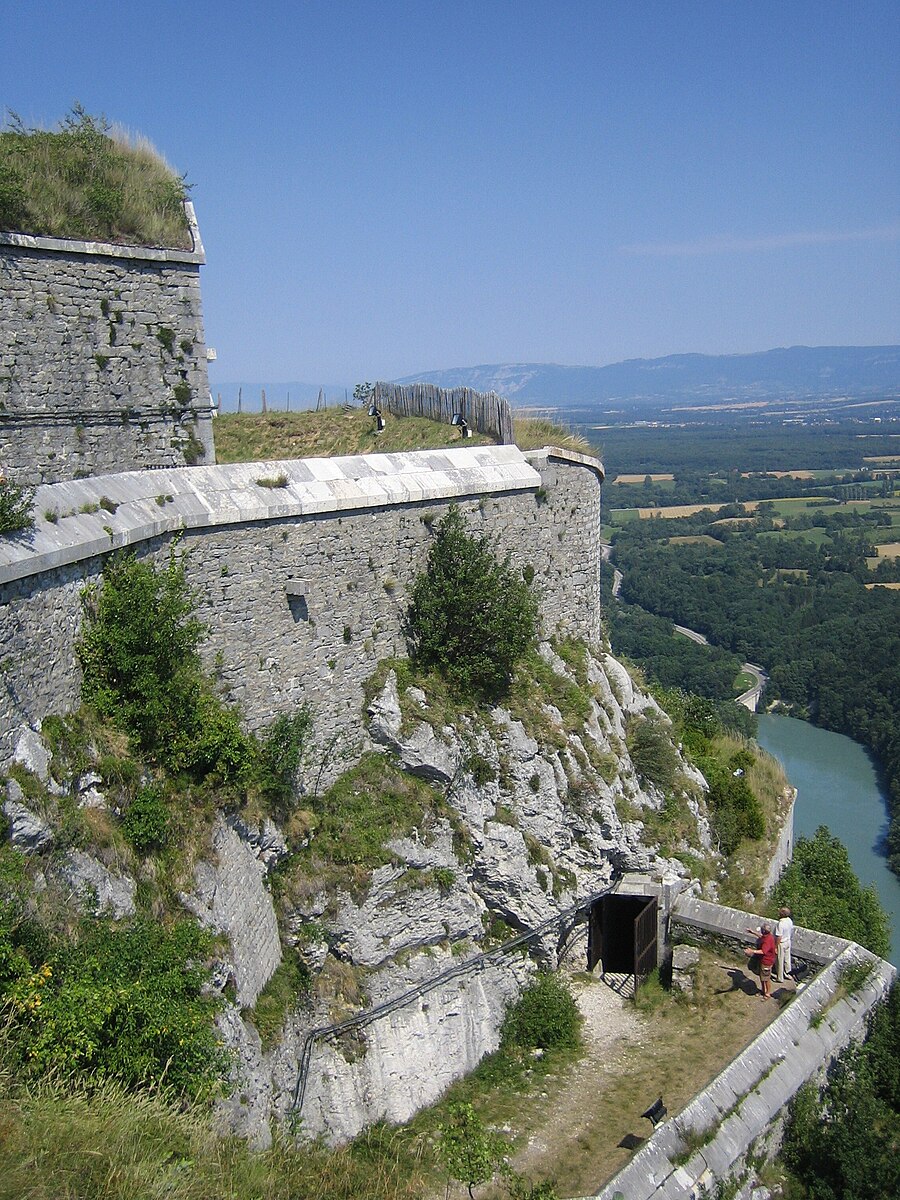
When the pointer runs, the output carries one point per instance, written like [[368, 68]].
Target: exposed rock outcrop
[[551, 811]]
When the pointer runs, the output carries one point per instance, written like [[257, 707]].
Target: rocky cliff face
[[538, 805], [550, 815]]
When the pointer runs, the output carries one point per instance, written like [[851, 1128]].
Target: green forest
[[789, 594]]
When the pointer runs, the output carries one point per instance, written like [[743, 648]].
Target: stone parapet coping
[[747, 1098], [569, 456], [164, 254], [149, 503]]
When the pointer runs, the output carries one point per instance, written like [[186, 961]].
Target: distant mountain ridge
[[794, 371]]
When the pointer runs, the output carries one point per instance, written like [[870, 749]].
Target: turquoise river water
[[837, 785]]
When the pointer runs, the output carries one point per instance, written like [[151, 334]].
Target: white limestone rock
[[421, 752], [385, 716], [27, 831], [98, 888], [32, 753], [399, 915], [231, 898], [266, 842]]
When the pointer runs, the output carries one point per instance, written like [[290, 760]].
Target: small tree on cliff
[[472, 616]]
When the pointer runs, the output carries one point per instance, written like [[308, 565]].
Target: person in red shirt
[[767, 953]]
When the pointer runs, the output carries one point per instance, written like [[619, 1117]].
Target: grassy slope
[[86, 180], [256, 437]]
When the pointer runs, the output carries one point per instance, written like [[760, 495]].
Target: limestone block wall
[[305, 586], [102, 358], [784, 849]]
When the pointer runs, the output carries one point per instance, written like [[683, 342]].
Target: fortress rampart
[[102, 358], [305, 585]]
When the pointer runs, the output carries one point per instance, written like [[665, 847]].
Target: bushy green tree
[[141, 669], [652, 752], [820, 886], [544, 1017], [472, 616], [471, 1153]]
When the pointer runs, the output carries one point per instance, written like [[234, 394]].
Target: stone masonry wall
[[102, 359], [355, 567]]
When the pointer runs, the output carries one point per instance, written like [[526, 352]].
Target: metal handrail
[[478, 962]]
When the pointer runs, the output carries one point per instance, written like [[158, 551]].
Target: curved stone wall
[[304, 585]]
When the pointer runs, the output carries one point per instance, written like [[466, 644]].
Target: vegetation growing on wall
[[16, 507], [89, 180], [842, 1144], [472, 616]]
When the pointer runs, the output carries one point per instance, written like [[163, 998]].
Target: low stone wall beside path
[[742, 1110]]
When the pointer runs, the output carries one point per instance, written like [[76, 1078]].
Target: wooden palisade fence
[[485, 412]]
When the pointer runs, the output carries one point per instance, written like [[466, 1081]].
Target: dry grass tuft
[[90, 180]]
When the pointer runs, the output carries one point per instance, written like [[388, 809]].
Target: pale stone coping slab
[[731, 922], [746, 1099], [28, 241], [570, 456], [202, 497]]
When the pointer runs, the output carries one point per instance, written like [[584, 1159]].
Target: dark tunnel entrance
[[622, 935]]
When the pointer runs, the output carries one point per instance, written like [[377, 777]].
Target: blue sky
[[388, 187]]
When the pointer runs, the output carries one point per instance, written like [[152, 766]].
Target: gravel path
[[611, 1029]]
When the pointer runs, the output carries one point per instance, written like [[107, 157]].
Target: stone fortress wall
[[304, 586], [102, 358]]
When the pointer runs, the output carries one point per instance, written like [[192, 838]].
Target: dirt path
[[612, 1029], [585, 1122]]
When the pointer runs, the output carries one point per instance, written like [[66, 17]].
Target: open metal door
[[645, 941], [623, 935]]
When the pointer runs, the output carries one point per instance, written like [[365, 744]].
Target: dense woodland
[[831, 645], [723, 448]]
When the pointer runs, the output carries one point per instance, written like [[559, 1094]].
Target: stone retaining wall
[[102, 358], [304, 586]]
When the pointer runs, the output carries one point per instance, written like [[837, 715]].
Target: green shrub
[[146, 820], [281, 752], [181, 393], [650, 746], [288, 986], [472, 1154], [141, 670], [823, 892], [735, 810], [480, 769], [123, 1003], [545, 1016], [472, 617], [16, 505]]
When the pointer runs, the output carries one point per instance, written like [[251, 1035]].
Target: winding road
[[751, 698]]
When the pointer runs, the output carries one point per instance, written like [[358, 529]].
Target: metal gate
[[622, 934], [645, 942]]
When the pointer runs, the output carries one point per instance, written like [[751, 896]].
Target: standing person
[[783, 931], [766, 952]]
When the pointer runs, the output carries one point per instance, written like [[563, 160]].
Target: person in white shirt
[[783, 930]]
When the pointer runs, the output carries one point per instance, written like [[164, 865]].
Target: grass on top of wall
[[258, 437], [89, 180], [273, 436]]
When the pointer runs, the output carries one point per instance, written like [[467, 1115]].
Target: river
[[837, 786]]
